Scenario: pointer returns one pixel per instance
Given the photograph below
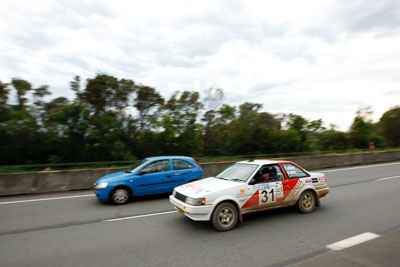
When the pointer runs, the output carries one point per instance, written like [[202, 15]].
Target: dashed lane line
[[44, 199], [360, 167], [388, 178], [139, 216], [352, 241]]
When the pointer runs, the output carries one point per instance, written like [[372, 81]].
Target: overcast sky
[[320, 59]]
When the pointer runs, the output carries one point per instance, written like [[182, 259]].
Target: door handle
[[168, 175], [285, 184]]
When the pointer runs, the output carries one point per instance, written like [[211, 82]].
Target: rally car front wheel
[[306, 202], [225, 216]]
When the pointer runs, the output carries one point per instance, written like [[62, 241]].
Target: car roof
[[263, 161], [167, 157]]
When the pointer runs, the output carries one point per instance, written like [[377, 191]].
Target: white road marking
[[139, 216], [44, 199], [352, 241], [388, 178], [360, 167]]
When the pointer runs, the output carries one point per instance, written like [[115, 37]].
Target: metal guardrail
[[126, 162], [70, 164]]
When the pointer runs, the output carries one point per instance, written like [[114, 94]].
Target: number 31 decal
[[267, 195]]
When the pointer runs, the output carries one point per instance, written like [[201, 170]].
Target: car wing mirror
[[252, 181]]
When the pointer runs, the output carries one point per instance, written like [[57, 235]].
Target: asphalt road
[[74, 229]]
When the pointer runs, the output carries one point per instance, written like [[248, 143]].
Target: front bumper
[[103, 194], [196, 213]]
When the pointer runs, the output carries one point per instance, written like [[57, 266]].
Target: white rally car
[[242, 188]]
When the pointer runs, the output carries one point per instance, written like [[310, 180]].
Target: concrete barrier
[[57, 181], [51, 181]]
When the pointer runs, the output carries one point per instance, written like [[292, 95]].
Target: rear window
[[293, 171], [181, 164]]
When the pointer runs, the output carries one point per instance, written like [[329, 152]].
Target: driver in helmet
[[266, 176]]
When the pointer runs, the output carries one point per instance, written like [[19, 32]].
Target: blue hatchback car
[[154, 175]]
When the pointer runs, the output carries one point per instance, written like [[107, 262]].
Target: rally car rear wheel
[[306, 202], [225, 217]]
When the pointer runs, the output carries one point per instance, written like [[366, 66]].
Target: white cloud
[[319, 59]]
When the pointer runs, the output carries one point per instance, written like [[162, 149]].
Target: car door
[[294, 183], [183, 172], [265, 195], [154, 178]]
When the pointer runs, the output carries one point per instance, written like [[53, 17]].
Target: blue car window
[[136, 165], [181, 164], [157, 166]]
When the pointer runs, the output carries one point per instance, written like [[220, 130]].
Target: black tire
[[120, 196], [306, 202], [225, 217]]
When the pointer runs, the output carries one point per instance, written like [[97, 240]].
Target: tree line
[[118, 119]]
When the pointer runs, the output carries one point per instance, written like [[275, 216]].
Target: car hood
[[206, 187], [113, 176]]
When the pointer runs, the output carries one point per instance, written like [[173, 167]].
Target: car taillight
[[196, 162]]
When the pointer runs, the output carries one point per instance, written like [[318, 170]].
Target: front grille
[[180, 196]]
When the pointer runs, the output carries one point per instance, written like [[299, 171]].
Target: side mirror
[[252, 181]]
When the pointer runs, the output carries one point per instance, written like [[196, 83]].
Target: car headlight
[[101, 185], [195, 201]]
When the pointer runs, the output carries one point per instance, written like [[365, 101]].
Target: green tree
[[147, 99], [289, 141], [180, 130], [226, 114], [315, 129], [389, 126], [218, 131], [40, 105], [245, 129], [334, 140], [55, 103], [104, 139], [299, 124], [39, 93], [362, 130], [105, 93], [21, 87], [21, 143], [4, 108], [70, 122], [75, 86], [122, 95]]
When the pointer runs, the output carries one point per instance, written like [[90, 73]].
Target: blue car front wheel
[[120, 196]]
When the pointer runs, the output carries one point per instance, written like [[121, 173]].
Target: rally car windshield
[[238, 172]]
